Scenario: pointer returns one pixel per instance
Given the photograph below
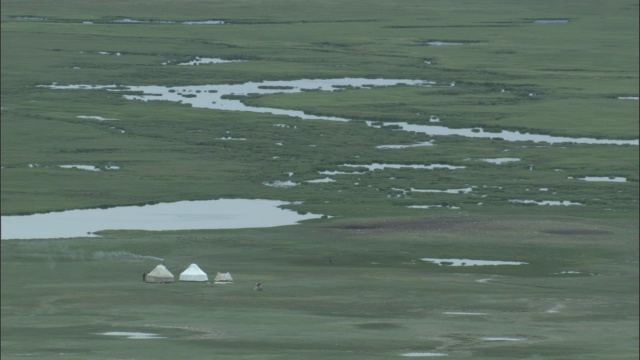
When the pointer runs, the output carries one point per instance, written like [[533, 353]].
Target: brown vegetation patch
[[432, 224]]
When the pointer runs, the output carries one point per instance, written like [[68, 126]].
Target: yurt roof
[[160, 270], [193, 269]]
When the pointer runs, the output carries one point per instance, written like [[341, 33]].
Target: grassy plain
[[576, 298]]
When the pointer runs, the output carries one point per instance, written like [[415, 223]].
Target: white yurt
[[223, 278], [193, 273], [159, 275]]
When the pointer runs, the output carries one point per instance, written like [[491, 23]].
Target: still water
[[181, 215]]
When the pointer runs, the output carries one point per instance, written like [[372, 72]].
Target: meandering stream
[[217, 97]]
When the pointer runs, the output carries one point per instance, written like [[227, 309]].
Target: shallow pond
[[423, 354], [602, 178], [205, 22], [503, 338], [443, 43], [229, 138], [181, 215], [447, 191], [432, 207], [81, 167], [379, 166], [30, 18], [202, 61], [282, 184], [470, 262], [545, 202], [424, 143], [136, 21], [323, 180], [500, 160], [130, 21], [94, 117], [132, 335], [330, 172]]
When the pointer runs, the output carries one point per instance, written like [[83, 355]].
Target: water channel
[[216, 97]]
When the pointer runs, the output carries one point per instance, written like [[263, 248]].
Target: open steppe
[[425, 168]]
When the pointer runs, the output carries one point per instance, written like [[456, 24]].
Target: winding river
[[217, 97]]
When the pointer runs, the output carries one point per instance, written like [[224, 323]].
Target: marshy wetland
[[460, 180]]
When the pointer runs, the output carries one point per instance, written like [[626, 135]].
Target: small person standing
[[144, 277]]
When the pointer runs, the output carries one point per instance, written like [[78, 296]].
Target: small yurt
[[159, 275], [223, 278], [193, 273]]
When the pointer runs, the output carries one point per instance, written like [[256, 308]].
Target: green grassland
[[331, 292], [576, 298]]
